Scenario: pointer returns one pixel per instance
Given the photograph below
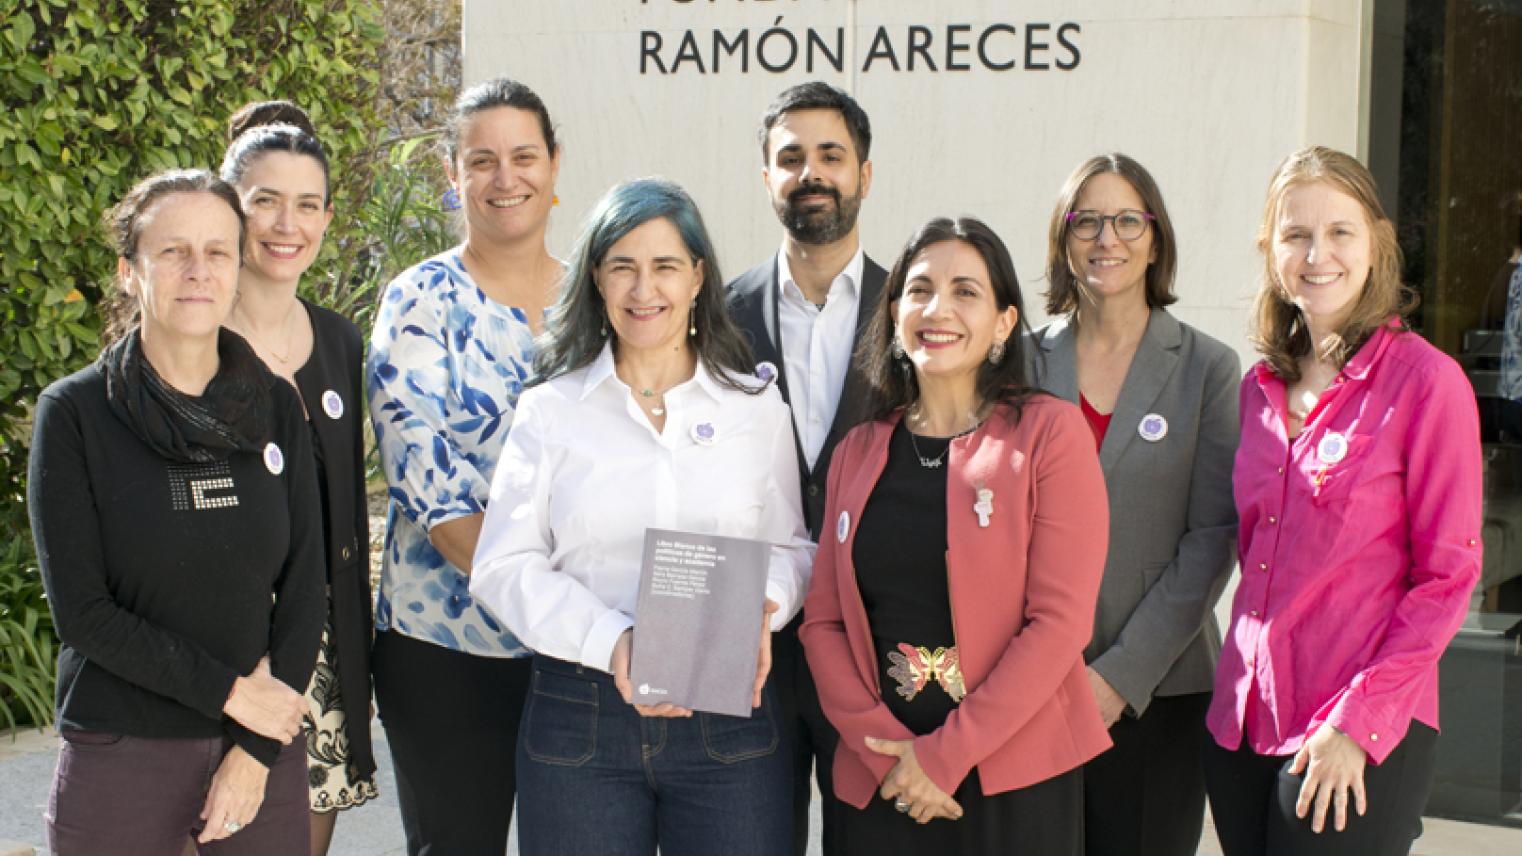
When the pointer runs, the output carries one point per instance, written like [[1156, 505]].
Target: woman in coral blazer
[[955, 585]]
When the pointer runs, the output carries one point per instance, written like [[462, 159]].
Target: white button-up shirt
[[816, 349], [584, 474]]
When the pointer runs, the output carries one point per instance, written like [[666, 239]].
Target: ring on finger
[[232, 826], [903, 807]]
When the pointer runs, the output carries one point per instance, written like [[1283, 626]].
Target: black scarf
[[232, 415]]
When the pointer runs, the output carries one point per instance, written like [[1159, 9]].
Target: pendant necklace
[[939, 460], [658, 408], [929, 463], [284, 358]]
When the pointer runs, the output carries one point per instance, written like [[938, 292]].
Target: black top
[[330, 382], [900, 556], [169, 580]]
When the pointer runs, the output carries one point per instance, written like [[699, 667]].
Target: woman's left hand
[[1111, 704], [237, 791], [907, 783], [764, 659], [1333, 766]]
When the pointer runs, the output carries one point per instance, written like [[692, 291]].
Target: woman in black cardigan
[[174, 508], [281, 174]]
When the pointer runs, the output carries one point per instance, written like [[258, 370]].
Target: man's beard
[[824, 225]]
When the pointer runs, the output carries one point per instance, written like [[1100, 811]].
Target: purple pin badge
[[1153, 427], [703, 434], [333, 404], [766, 372], [274, 459]]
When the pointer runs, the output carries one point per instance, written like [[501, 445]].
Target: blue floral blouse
[[445, 369]]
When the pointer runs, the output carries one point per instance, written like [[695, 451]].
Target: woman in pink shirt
[[1357, 486]]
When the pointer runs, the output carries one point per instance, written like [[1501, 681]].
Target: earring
[[996, 353], [897, 348], [555, 200], [692, 320], [605, 327]]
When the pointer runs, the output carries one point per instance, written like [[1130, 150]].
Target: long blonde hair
[[1279, 330]]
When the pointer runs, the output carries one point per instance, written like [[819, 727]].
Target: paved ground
[[26, 768]]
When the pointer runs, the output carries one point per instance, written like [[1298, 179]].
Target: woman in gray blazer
[[1161, 398]]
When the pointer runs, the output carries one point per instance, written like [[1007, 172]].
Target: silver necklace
[[938, 461], [929, 463]]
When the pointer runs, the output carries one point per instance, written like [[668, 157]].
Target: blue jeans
[[594, 777]]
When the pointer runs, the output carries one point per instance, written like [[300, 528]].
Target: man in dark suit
[[803, 310]]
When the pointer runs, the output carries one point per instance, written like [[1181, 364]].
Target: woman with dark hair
[[281, 174], [259, 113], [175, 512], [1160, 399], [1358, 488], [954, 591], [451, 350], [645, 384]]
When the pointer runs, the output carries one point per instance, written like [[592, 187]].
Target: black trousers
[[810, 739], [1146, 794], [452, 722], [1252, 800]]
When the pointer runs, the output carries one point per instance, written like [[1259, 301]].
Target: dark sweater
[[334, 370], [168, 580]]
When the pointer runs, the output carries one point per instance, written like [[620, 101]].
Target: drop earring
[[897, 348], [996, 353]]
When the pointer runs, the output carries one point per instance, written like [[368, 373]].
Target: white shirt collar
[[602, 369], [851, 275]]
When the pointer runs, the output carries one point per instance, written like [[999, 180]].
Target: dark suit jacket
[[339, 444], [1172, 520], [750, 304]]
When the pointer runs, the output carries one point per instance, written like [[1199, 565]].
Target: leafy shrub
[[27, 658], [98, 94], [399, 223]]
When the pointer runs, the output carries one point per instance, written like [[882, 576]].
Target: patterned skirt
[[334, 784]]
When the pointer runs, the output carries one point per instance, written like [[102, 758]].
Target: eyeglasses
[[1128, 224]]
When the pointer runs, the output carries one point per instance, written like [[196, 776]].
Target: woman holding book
[[955, 587], [646, 416]]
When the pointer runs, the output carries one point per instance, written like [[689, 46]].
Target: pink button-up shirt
[[1359, 544]]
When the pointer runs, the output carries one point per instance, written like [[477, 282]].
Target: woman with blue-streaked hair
[[647, 416], [451, 350]]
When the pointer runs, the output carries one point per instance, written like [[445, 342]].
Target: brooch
[[984, 506], [914, 667]]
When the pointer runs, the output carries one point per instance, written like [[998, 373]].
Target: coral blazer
[[1022, 590]]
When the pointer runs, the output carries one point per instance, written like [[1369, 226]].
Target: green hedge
[[100, 93]]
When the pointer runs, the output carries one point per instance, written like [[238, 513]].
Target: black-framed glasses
[[1129, 224]]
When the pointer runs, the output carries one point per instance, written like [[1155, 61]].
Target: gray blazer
[[1172, 519]]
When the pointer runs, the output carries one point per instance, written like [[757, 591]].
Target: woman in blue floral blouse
[[450, 353]]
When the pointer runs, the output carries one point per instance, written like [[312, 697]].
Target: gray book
[[697, 625]]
